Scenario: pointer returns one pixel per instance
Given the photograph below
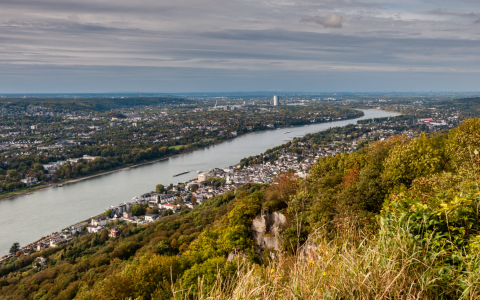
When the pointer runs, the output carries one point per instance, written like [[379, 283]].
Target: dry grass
[[384, 266]]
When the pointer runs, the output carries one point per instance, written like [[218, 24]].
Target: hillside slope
[[398, 219]]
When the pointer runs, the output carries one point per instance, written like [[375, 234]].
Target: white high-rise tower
[[276, 101]]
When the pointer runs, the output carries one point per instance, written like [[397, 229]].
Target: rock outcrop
[[266, 229]]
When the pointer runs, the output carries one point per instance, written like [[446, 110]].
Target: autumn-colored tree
[[183, 248], [174, 244], [153, 210], [351, 177], [282, 187]]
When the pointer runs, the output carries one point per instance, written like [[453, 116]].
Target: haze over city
[[209, 45]]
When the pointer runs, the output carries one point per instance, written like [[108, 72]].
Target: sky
[[61, 46]]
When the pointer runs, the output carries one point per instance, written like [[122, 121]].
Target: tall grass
[[388, 265]]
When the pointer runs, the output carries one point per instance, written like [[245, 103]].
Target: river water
[[27, 218]]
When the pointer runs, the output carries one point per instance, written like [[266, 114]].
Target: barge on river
[[186, 171]]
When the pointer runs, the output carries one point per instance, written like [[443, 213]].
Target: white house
[[151, 218], [99, 221], [94, 228], [77, 228], [30, 180]]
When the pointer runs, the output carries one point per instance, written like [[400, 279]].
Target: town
[[44, 144], [296, 156]]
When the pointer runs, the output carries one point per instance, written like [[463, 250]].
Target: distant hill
[[89, 104]]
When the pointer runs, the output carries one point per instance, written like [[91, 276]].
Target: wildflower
[[324, 273], [271, 271], [311, 262]]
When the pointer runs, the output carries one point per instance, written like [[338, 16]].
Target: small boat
[[287, 132], [59, 185], [199, 171]]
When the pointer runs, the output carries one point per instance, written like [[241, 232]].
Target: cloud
[[332, 21], [217, 38], [445, 12]]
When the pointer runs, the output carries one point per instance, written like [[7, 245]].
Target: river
[[27, 218]]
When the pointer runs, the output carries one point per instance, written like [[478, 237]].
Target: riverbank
[[65, 182], [26, 191], [18, 193], [51, 209]]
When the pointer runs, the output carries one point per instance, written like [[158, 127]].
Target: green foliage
[[14, 248], [464, 143], [403, 193], [448, 225], [347, 186], [208, 272], [160, 189], [167, 212], [415, 158], [108, 213], [137, 210]]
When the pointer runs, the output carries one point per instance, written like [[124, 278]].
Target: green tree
[[103, 235], [10, 187], [108, 213], [12, 173], [178, 201], [167, 212], [137, 210], [160, 189], [14, 248]]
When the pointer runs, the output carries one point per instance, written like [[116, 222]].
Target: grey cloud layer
[[239, 36], [332, 21]]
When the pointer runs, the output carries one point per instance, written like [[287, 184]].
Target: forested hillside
[[398, 219], [99, 104]]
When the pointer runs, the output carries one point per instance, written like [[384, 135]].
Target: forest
[[397, 219]]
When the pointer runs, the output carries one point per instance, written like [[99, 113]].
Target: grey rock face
[[266, 229]]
